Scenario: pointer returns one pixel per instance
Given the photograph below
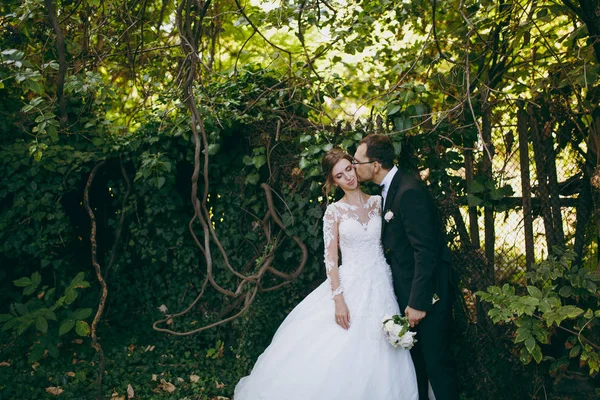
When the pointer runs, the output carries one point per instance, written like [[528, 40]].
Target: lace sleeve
[[330, 237]]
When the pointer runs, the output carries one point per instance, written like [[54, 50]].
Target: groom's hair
[[381, 149]]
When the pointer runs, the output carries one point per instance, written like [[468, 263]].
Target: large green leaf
[[82, 328], [81, 313], [22, 282], [41, 324], [66, 326]]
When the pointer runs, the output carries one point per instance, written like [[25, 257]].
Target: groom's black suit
[[416, 250]]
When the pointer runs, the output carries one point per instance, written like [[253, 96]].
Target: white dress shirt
[[386, 182]]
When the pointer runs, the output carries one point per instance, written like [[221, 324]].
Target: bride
[[331, 345]]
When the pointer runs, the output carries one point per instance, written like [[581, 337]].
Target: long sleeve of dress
[[330, 237]]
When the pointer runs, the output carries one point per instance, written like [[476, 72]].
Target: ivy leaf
[[574, 351], [259, 160], [565, 291], [52, 350], [29, 290], [570, 311], [537, 354], [36, 278], [81, 313], [247, 160], [48, 314], [5, 317], [530, 344], [477, 187], [41, 324], [66, 326], [522, 335], [24, 326], [474, 201], [392, 109], [21, 308], [82, 328], [252, 179], [36, 353], [535, 292], [22, 282]]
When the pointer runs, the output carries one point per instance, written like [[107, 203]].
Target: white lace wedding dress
[[311, 357]]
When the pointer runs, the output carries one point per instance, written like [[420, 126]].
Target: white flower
[[389, 326], [395, 331], [407, 341], [388, 216]]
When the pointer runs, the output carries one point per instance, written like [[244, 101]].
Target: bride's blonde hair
[[329, 161]]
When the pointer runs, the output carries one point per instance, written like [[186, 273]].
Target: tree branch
[[62, 61], [104, 290]]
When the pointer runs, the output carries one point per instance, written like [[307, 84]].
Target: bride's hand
[[342, 314]]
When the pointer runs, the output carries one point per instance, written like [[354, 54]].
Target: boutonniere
[[435, 298], [388, 216]]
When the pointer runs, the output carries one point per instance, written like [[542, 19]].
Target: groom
[[416, 250]]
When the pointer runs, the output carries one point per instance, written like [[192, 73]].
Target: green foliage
[[267, 114], [484, 192], [52, 315], [562, 298]]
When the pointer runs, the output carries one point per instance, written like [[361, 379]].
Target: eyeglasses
[[364, 162]]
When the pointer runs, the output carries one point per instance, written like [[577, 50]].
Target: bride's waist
[[362, 259], [361, 268]]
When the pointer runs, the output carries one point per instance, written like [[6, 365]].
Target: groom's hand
[[414, 316]]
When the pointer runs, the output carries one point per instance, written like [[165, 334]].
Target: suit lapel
[[390, 197]]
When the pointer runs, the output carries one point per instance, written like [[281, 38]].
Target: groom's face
[[364, 169]]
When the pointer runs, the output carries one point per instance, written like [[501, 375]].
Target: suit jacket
[[415, 245]]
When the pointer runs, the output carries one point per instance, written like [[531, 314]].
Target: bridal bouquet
[[397, 331]]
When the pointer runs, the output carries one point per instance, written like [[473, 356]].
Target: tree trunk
[[542, 177], [489, 226], [525, 185], [473, 223]]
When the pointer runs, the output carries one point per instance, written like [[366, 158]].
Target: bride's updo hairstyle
[[332, 157]]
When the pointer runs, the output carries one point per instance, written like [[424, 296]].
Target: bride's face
[[344, 175]]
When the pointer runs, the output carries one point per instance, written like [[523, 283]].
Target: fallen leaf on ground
[[170, 321], [35, 365], [130, 392], [115, 396], [78, 341], [70, 373], [220, 385], [131, 348], [163, 309], [4, 364], [166, 386], [180, 379], [194, 378], [154, 377], [150, 348], [54, 390]]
